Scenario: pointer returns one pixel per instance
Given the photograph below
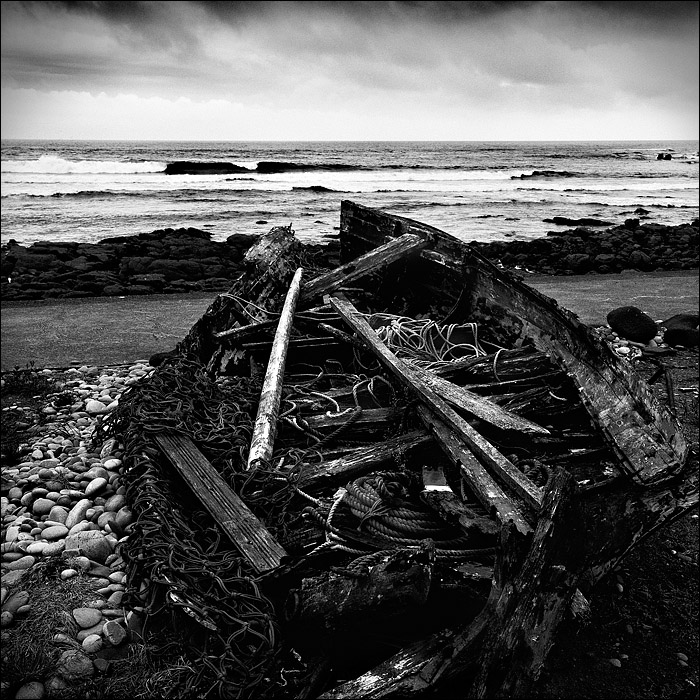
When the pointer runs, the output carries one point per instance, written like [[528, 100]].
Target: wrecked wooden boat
[[389, 477]]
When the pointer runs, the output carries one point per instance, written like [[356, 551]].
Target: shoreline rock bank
[[175, 261], [631, 246]]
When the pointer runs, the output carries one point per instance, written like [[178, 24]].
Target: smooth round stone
[[115, 598], [112, 464], [86, 617], [55, 532], [6, 619], [95, 629], [11, 556], [77, 512], [42, 506], [95, 407], [97, 472], [114, 632], [36, 548], [116, 577], [124, 517], [46, 473], [16, 601], [104, 518], [92, 643], [82, 563], [115, 503], [12, 533], [26, 562], [15, 493], [37, 454], [95, 486], [34, 690], [58, 514], [68, 573]]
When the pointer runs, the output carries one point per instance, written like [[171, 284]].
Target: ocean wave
[[61, 166]]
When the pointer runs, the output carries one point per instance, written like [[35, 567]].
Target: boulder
[[632, 323], [578, 262], [682, 329]]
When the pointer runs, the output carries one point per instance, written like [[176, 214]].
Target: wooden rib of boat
[[420, 464]]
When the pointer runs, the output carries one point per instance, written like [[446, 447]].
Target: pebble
[[615, 662], [34, 690], [86, 617], [92, 643]]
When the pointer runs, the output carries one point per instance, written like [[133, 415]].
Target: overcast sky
[[350, 70]]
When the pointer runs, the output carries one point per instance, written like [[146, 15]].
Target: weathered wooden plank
[[479, 406], [528, 612], [483, 449], [441, 498], [392, 251], [359, 462], [367, 419], [232, 515], [488, 492], [265, 428]]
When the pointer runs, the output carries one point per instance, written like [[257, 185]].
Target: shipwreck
[[388, 477]]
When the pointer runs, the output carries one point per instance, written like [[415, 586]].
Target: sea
[[477, 191]]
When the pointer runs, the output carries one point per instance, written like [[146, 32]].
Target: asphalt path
[[113, 330]]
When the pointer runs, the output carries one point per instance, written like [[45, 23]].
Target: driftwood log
[[265, 428]]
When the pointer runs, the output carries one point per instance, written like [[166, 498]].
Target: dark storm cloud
[[493, 56]]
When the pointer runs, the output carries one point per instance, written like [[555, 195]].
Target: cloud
[[337, 58]]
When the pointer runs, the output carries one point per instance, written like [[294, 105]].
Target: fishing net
[[176, 564]]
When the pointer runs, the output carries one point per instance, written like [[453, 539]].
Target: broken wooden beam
[[489, 493], [359, 462], [265, 428], [479, 406], [482, 448], [442, 499], [390, 252], [246, 532]]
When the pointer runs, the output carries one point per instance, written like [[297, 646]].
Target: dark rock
[[565, 221], [631, 224], [640, 260], [632, 323], [682, 329], [641, 211], [604, 260], [177, 269], [578, 263], [186, 167]]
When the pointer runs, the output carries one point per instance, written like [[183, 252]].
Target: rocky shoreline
[[64, 502], [186, 260]]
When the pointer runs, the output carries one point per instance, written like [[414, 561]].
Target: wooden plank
[[483, 449], [392, 251], [370, 419], [245, 531], [359, 462], [488, 492], [479, 406], [441, 498], [265, 428]]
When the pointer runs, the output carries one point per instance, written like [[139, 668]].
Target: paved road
[[111, 330]]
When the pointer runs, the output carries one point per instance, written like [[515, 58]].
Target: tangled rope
[[425, 342], [382, 508]]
